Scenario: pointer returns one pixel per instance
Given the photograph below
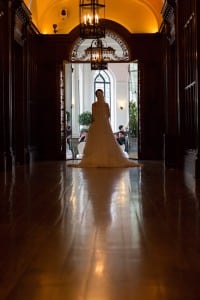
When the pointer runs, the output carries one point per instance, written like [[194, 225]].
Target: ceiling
[[137, 16]]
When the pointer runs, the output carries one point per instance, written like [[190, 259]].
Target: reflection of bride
[[104, 194], [102, 149]]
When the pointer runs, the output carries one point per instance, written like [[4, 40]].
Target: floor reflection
[[99, 234], [108, 192], [103, 187]]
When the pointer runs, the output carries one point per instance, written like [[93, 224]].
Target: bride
[[102, 149]]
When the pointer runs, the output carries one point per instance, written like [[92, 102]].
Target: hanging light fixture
[[96, 56], [100, 54], [92, 13]]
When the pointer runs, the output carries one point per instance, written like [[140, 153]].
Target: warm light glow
[[99, 268], [96, 19], [95, 57], [100, 260], [45, 31], [136, 16], [87, 20], [92, 13]]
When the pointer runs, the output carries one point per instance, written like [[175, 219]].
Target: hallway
[[99, 234]]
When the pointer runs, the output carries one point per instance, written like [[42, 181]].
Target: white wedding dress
[[102, 149]]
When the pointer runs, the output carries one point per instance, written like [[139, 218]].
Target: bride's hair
[[99, 90]]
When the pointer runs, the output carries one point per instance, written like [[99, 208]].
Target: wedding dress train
[[102, 149]]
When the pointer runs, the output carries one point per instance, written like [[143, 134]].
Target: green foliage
[[133, 119], [68, 116], [85, 118]]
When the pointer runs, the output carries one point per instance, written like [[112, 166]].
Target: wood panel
[[189, 101], [188, 88]]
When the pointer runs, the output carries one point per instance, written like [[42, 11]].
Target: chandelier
[[98, 58], [92, 13]]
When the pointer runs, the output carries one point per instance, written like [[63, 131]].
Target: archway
[[118, 75]]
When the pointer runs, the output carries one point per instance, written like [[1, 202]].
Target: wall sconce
[[121, 104], [73, 103], [55, 26], [63, 13]]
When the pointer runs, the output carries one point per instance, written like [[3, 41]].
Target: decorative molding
[[120, 51], [22, 18], [121, 42], [168, 13]]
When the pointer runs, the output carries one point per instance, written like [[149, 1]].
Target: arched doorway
[[117, 81]]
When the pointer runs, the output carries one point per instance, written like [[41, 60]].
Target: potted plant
[[85, 118], [133, 119], [68, 116]]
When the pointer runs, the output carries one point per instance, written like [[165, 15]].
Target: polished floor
[[99, 233]]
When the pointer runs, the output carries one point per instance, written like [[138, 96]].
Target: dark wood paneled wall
[[181, 48], [151, 108], [169, 61], [6, 40], [188, 89], [18, 69]]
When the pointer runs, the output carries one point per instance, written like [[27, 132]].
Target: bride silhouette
[[102, 149]]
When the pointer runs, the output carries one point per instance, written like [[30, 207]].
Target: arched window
[[102, 81]]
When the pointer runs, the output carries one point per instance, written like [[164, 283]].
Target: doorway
[[120, 83], [133, 110]]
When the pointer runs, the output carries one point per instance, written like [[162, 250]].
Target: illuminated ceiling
[[137, 16]]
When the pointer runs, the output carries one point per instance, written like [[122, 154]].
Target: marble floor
[[99, 233]]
